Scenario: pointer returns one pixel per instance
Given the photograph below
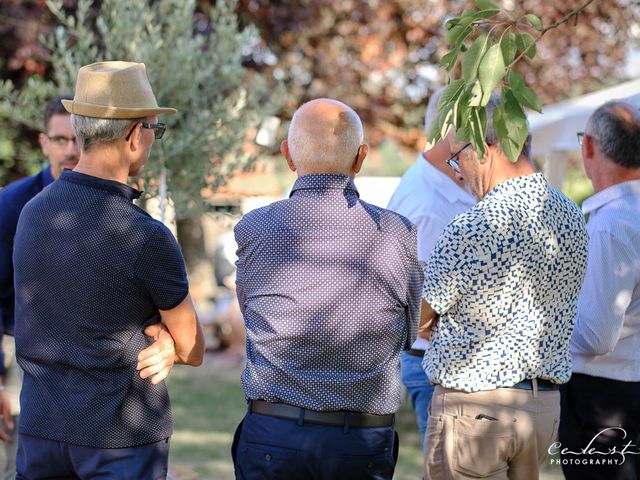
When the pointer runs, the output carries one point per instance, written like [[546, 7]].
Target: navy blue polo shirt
[[91, 271]]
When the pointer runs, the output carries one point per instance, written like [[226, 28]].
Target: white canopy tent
[[554, 131]]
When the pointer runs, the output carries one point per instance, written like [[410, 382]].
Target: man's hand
[[428, 319], [7, 419], [158, 358]]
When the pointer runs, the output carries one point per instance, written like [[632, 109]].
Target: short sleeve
[[449, 269], [160, 269]]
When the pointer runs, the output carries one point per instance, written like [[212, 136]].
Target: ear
[[360, 156], [44, 144], [284, 148], [134, 139], [488, 154], [588, 146]]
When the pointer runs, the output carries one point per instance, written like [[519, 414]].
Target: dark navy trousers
[[267, 447], [39, 458]]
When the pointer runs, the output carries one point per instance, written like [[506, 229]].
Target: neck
[[506, 170], [104, 162], [611, 174]]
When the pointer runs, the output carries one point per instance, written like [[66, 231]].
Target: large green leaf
[[486, 5], [457, 35], [451, 92], [449, 60], [490, 72], [524, 94], [440, 126], [523, 42], [534, 20], [510, 124], [485, 14], [508, 47], [478, 127], [472, 58], [476, 94]]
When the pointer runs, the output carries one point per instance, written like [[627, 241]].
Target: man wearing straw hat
[[94, 274]]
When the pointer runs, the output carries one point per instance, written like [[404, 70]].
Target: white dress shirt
[[606, 339], [430, 199]]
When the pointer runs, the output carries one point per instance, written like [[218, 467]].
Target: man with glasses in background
[[499, 303], [430, 194], [59, 147], [601, 402], [93, 275]]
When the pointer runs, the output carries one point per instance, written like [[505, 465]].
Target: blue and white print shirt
[[505, 278]]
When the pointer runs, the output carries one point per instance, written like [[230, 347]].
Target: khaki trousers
[[497, 434]]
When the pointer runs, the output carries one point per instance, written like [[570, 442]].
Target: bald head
[[325, 136]]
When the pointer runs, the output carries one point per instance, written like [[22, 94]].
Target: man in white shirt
[[430, 194], [499, 304], [601, 402]]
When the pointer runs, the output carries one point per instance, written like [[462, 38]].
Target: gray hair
[[491, 138], [615, 128], [311, 143], [90, 131]]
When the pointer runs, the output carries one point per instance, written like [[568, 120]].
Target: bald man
[[329, 287]]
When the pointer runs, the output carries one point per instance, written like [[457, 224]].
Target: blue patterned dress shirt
[[329, 287]]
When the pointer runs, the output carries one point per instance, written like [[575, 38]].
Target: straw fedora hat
[[114, 90]]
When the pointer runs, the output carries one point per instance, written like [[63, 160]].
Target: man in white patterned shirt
[[430, 194], [499, 303], [601, 402]]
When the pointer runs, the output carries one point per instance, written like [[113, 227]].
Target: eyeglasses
[[60, 140], [453, 159], [581, 136], [158, 129]]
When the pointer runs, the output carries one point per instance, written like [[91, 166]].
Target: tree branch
[[564, 19]]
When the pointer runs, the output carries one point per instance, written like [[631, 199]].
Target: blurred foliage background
[[379, 56]]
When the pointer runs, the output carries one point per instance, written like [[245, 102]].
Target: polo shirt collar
[[100, 183], [324, 182], [609, 194], [47, 178]]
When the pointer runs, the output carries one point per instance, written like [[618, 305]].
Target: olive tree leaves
[[486, 65]]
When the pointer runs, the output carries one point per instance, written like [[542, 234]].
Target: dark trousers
[[272, 448], [39, 458], [598, 415]]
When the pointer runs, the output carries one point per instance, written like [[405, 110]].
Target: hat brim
[[109, 111]]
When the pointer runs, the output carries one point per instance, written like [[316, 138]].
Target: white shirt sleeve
[[605, 296]]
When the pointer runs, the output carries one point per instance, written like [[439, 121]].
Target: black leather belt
[[543, 385], [338, 419], [416, 353]]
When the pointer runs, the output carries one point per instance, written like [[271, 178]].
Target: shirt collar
[[47, 178], [518, 184], [100, 183], [441, 182], [609, 194], [324, 182]]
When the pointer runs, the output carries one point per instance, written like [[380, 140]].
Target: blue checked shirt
[[329, 287], [505, 278]]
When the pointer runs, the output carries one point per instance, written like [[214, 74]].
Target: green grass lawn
[[208, 404]]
